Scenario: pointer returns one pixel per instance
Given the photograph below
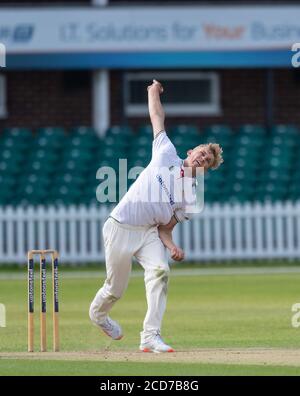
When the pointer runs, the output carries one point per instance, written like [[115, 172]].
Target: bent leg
[[118, 255], [153, 257]]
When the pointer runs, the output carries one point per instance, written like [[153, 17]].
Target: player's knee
[[163, 273], [165, 277], [160, 278], [158, 275]]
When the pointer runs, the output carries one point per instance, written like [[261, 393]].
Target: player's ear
[[189, 152]]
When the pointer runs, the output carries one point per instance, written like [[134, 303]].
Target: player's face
[[201, 157]]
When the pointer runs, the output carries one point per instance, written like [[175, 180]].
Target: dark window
[[185, 93]]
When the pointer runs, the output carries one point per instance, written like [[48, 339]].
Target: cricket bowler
[[142, 228]]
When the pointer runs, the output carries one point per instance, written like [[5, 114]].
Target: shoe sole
[[147, 350], [108, 335]]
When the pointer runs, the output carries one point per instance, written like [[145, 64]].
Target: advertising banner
[[149, 36]]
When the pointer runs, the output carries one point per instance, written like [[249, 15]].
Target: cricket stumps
[[43, 300]]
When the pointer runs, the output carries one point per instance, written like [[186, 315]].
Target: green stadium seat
[[219, 130], [51, 132], [142, 141], [285, 130], [215, 176], [294, 175], [50, 139], [17, 133], [245, 175], [35, 180], [242, 163], [186, 131], [40, 167], [43, 155], [191, 142], [283, 163], [89, 196], [7, 186], [30, 190], [138, 162], [68, 179], [55, 166], [271, 187], [223, 140], [182, 149], [236, 187], [113, 142], [294, 191], [120, 132], [6, 196], [11, 155], [255, 142], [76, 154], [281, 151], [252, 130], [284, 141], [14, 144], [273, 196], [49, 144], [61, 194], [145, 130], [247, 153], [84, 142], [239, 198], [178, 141], [83, 131], [111, 154], [73, 166], [101, 161], [10, 168], [212, 185], [142, 153], [210, 197], [274, 175]]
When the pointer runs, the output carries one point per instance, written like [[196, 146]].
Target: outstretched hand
[[177, 253], [155, 87]]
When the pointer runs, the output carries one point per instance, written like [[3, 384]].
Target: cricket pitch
[[257, 356]]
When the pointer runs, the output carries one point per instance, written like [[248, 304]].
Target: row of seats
[[54, 166]]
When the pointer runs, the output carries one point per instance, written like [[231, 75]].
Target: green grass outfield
[[212, 311]]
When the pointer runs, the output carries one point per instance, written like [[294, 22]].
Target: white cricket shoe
[[155, 344], [111, 328]]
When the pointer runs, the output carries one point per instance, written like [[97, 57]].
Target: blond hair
[[216, 151]]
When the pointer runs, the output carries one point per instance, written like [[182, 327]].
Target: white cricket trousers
[[122, 242]]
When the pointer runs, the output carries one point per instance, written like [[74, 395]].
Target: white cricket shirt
[[152, 198]]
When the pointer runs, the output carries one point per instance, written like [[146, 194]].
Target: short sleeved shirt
[[150, 200]]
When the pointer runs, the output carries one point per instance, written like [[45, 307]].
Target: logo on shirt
[[165, 188]]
